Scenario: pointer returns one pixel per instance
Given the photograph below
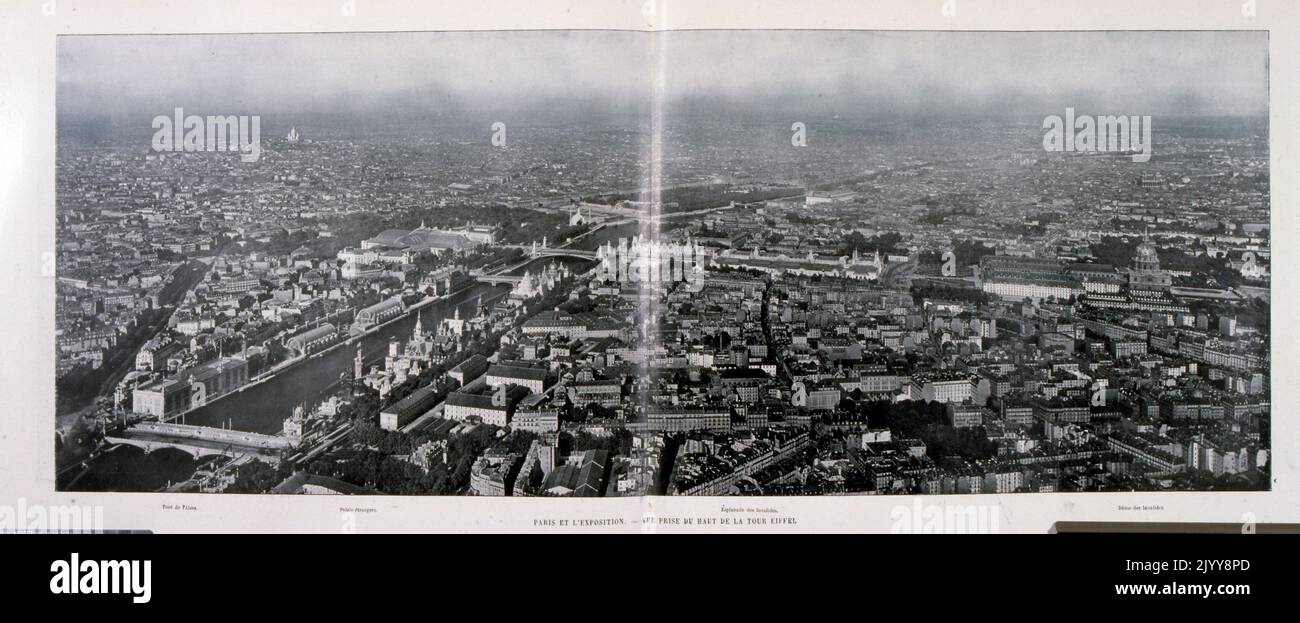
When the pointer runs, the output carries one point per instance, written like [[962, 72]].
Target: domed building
[[1146, 273]]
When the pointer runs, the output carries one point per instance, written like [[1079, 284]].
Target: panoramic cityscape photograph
[[603, 263]]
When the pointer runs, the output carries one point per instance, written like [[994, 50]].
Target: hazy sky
[[809, 72]]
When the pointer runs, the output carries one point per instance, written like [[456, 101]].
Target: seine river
[[262, 408]]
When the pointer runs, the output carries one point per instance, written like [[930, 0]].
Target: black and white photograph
[[608, 263], [299, 294]]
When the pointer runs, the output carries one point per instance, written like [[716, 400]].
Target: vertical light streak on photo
[[651, 183]]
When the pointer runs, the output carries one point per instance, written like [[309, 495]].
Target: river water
[[127, 468], [262, 408]]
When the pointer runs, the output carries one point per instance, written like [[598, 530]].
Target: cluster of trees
[[167, 255], [369, 435], [1115, 251], [185, 277], [579, 305], [285, 243], [924, 289], [381, 470], [928, 421], [378, 471], [970, 252], [258, 477], [462, 451], [681, 376], [551, 300], [884, 243], [365, 405], [1203, 268], [1202, 480], [620, 442]]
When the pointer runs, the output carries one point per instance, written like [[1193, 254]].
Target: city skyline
[[882, 274]]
